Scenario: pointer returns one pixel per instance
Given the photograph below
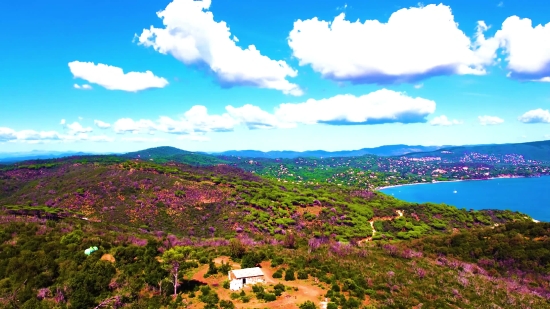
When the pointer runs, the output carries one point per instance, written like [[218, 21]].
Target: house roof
[[247, 272]]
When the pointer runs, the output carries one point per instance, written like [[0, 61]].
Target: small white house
[[239, 277]]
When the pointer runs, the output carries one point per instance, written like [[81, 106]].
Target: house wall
[[254, 280], [235, 284]]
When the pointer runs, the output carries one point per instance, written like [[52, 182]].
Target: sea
[[527, 195]]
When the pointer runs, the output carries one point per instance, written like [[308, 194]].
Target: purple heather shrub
[[59, 296], [239, 229], [137, 241], [43, 293], [390, 249], [362, 253], [420, 272], [456, 293], [410, 254], [390, 273], [463, 281], [340, 249]]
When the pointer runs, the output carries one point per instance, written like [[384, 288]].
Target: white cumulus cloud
[[536, 116], [76, 134], [255, 118], [102, 125], [143, 139], [414, 44], [489, 120], [527, 48], [192, 36], [83, 87], [382, 106], [114, 78], [444, 121], [7, 134], [195, 120], [76, 128]]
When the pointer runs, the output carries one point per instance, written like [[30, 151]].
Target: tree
[[172, 260], [236, 248], [307, 305]]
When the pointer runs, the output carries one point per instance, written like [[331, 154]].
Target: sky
[[118, 76]]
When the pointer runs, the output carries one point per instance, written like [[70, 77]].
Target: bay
[[527, 195]]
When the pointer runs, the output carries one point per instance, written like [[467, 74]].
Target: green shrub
[[246, 299], [332, 305], [302, 274], [226, 284], [289, 275], [269, 297], [227, 304], [307, 305], [278, 274], [234, 295]]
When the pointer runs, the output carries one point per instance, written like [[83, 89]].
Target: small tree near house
[[173, 259]]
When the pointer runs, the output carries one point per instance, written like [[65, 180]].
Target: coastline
[[457, 180]]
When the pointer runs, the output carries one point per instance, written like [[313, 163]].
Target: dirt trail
[[399, 213]]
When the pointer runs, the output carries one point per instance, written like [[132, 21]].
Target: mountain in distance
[[12, 157], [539, 151], [383, 151], [165, 154]]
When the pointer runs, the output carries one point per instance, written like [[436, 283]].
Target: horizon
[[213, 76], [243, 150]]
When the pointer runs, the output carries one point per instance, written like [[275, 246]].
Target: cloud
[[83, 87], [382, 106], [62, 122], [414, 44], [527, 48], [444, 121], [195, 120], [34, 137], [194, 137], [489, 120], [76, 128], [7, 134], [418, 86], [192, 36], [143, 139], [535, 116], [255, 118], [102, 125], [101, 138], [500, 4], [125, 125], [114, 78]]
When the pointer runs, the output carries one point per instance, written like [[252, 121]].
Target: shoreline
[[457, 180]]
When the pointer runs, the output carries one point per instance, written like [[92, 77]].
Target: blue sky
[[113, 76]]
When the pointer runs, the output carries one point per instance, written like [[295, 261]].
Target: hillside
[[501, 153], [222, 200], [389, 150], [349, 245], [171, 154], [43, 265]]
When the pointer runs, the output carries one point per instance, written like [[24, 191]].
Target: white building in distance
[[239, 277]]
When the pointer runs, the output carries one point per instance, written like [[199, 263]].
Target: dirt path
[[399, 213]]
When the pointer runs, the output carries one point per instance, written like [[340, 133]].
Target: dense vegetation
[[160, 226], [42, 265], [224, 201]]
